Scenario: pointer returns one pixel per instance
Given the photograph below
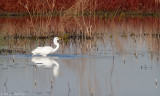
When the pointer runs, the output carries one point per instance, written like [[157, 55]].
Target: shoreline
[[73, 14]]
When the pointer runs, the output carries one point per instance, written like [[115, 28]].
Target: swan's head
[[56, 38]]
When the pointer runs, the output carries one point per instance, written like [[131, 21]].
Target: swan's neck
[[57, 46]]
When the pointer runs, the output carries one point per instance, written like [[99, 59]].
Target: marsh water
[[121, 60]]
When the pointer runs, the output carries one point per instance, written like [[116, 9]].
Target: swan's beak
[[59, 38]]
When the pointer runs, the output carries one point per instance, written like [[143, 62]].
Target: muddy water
[[118, 63]]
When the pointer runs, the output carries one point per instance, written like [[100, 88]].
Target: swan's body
[[44, 51]]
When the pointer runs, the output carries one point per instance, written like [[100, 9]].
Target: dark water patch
[[81, 37], [12, 51], [56, 56], [68, 56], [17, 56]]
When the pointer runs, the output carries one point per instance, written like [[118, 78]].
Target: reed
[[98, 5]]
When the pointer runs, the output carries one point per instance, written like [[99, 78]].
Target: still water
[[115, 64]]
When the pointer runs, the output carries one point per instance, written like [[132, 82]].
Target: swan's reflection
[[47, 63]]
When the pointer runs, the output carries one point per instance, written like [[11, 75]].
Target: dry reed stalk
[[42, 28]]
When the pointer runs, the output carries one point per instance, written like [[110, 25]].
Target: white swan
[[47, 63], [44, 51]]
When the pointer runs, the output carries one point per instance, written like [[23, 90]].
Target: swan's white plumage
[[44, 51]]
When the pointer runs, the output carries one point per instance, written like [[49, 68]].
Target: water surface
[[122, 61]]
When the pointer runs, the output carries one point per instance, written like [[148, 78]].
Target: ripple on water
[[55, 56]]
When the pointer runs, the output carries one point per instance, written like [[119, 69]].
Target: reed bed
[[98, 5]]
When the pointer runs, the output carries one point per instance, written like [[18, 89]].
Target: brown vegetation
[[42, 27], [87, 5]]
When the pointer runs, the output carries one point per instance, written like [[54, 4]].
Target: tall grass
[[98, 5]]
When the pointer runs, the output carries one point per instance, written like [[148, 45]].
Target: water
[[116, 64], [83, 76]]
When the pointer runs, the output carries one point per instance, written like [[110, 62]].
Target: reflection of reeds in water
[[42, 27], [82, 38], [89, 76]]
